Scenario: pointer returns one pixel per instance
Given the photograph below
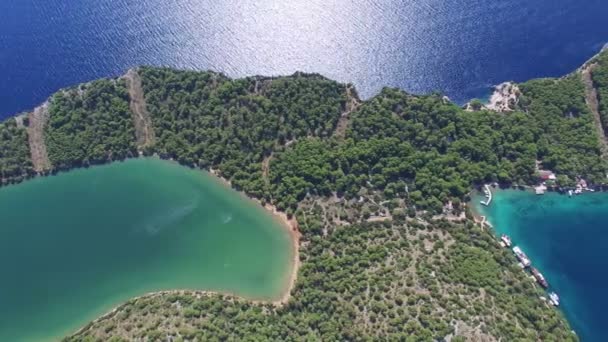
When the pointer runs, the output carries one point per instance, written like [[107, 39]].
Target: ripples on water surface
[[458, 47]]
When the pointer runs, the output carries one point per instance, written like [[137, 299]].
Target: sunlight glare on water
[[459, 47]]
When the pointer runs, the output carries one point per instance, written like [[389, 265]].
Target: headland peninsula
[[378, 188]]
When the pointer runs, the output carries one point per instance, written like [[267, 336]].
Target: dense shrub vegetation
[[15, 162], [600, 80], [438, 150], [90, 124], [207, 120], [568, 143]]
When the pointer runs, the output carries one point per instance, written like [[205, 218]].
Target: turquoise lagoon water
[[73, 246], [567, 240]]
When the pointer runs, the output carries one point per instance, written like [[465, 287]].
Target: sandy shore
[[292, 226]]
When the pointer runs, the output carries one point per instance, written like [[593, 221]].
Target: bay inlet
[[566, 240], [75, 245]]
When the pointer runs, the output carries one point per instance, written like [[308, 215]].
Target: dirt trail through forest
[[35, 131], [593, 103], [144, 131]]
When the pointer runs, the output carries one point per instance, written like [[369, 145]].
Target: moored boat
[[539, 277], [521, 256], [506, 240], [554, 298]]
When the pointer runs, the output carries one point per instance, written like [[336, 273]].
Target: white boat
[[554, 298], [488, 195], [521, 256], [539, 277], [506, 240]]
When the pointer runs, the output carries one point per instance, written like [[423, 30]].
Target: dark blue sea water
[[460, 47], [566, 240]]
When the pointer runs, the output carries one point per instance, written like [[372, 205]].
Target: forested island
[[388, 248]]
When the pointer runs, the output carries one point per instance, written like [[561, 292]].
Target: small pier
[[540, 190], [488, 194]]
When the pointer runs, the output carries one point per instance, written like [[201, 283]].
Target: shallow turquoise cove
[[567, 240]]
